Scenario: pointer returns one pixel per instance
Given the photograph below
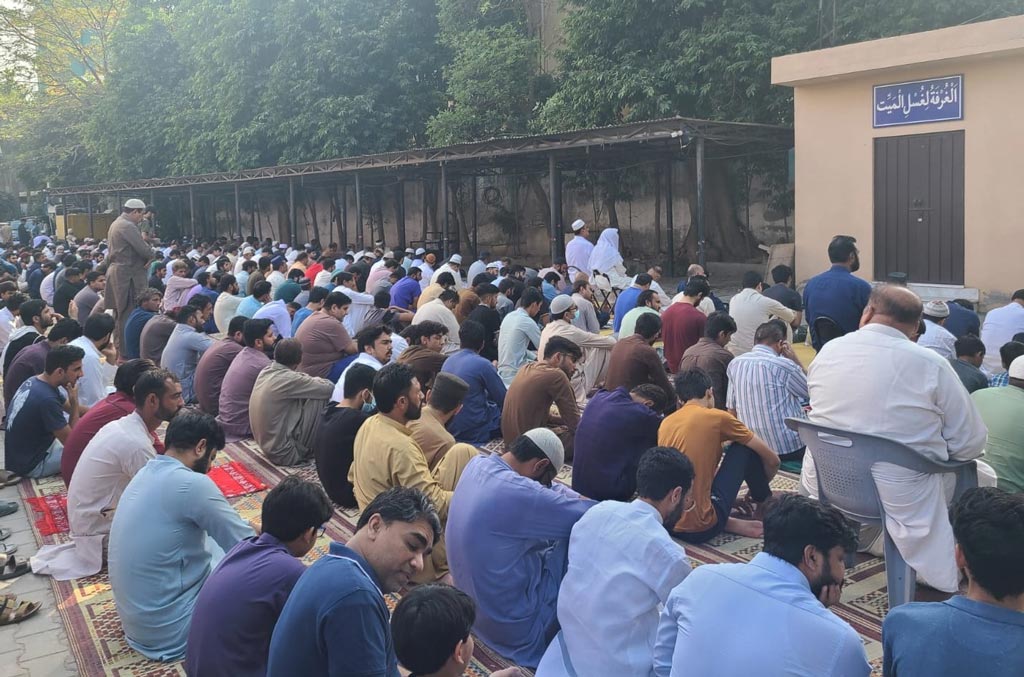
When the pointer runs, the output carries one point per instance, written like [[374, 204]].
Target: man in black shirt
[[782, 292], [67, 290], [488, 316], [336, 436]]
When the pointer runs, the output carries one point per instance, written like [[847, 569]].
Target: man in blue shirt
[[479, 420], [405, 292], [837, 293], [336, 622], [159, 554], [508, 540], [982, 632], [240, 602], [768, 617], [627, 299], [962, 319]]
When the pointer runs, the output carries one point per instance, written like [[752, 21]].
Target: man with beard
[[128, 255], [158, 561], [385, 455], [109, 462], [621, 558], [837, 294], [774, 608], [240, 378]]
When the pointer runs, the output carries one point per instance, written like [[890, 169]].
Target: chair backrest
[[827, 329], [843, 461]]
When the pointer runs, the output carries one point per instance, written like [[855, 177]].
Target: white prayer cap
[[549, 444], [410, 250], [421, 251], [936, 309], [292, 255], [493, 264], [134, 203], [389, 254], [577, 225], [248, 250], [561, 303], [456, 258], [1017, 368]]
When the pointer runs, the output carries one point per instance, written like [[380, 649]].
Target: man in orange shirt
[[699, 430]]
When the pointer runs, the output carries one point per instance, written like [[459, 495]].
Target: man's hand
[[509, 672], [110, 353], [830, 594]]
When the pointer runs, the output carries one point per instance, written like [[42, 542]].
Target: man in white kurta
[[597, 349], [109, 462], [578, 250], [440, 311], [750, 308], [877, 381]]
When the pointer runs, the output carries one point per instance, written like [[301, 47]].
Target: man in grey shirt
[[184, 348]]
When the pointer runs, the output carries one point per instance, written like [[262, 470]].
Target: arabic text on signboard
[[909, 103]]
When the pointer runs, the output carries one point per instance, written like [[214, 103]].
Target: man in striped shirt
[[767, 386]]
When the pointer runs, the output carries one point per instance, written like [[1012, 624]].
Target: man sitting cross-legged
[[596, 349], [387, 455], [424, 355], [285, 405], [185, 347], [980, 632], [622, 566], [508, 538], [110, 460], [699, 430], [443, 401], [775, 607], [617, 427], [536, 387], [240, 378], [158, 564], [240, 602], [431, 628], [634, 360], [214, 364], [336, 621], [479, 420]]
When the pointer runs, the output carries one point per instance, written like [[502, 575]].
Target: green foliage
[[10, 208]]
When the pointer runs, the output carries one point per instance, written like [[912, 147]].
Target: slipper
[[8, 508], [7, 549], [12, 568], [11, 612], [8, 479], [4, 534]]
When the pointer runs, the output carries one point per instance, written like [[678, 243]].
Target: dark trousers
[[603, 317], [740, 464]]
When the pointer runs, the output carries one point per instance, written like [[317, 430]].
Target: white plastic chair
[[843, 462]]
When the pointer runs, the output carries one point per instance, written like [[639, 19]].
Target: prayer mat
[[51, 513], [234, 479]]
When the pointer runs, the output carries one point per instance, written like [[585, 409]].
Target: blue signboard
[[911, 103]]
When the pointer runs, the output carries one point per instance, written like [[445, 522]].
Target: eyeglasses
[[323, 530]]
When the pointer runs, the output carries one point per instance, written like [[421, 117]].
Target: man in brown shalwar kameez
[[129, 254]]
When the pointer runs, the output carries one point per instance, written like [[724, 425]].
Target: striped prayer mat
[[97, 641]]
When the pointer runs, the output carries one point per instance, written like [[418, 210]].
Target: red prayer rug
[[51, 513], [234, 479]]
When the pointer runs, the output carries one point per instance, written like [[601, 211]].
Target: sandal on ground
[[7, 548], [4, 534], [8, 479], [12, 612], [12, 568], [8, 508]]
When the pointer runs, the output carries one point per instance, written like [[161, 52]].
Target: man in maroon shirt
[[30, 361], [213, 366], [114, 406], [682, 324]]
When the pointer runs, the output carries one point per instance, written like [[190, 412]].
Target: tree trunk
[[726, 239]]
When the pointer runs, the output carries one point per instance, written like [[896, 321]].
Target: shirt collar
[[836, 268], [644, 506], [759, 348], [885, 330], [985, 610], [387, 420], [271, 541], [780, 568], [338, 550]]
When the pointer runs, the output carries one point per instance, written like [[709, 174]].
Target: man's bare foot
[[749, 528]]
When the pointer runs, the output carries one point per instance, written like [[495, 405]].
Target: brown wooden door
[[919, 207]]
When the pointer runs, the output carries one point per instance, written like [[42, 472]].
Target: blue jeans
[[50, 465], [740, 464]]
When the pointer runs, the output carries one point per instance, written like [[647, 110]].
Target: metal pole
[[88, 207], [192, 211], [555, 205], [292, 229], [444, 205], [400, 215], [476, 231], [343, 245], [701, 254], [359, 214], [669, 221], [64, 208], [238, 214]]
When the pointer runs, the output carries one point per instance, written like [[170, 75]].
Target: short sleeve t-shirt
[[333, 446], [36, 413], [699, 433]]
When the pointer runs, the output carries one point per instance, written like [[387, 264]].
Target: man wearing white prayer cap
[[453, 266], [577, 252]]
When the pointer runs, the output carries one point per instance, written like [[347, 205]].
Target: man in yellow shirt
[[386, 455]]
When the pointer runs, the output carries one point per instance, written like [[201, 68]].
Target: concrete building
[[913, 145]]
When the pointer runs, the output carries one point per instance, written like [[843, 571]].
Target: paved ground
[[37, 646]]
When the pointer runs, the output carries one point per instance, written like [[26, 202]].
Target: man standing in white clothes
[[622, 566], [577, 252], [877, 381]]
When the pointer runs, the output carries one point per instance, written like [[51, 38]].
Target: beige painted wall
[[834, 157]]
